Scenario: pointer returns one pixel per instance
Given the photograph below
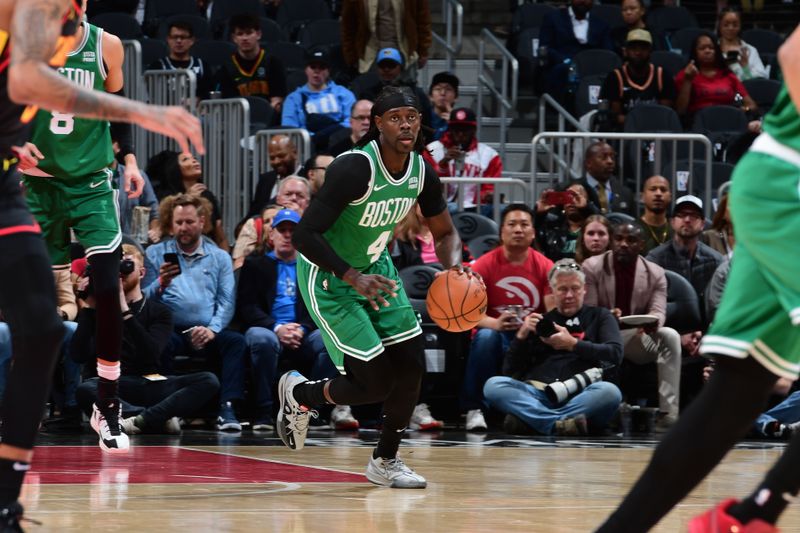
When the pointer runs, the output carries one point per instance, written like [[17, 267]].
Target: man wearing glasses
[[180, 39], [685, 254], [581, 339], [359, 125]]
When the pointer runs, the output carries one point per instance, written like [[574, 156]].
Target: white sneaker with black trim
[[394, 473], [293, 418], [106, 422]]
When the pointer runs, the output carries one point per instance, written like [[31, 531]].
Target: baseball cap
[[639, 35], [318, 54], [386, 54], [689, 199], [285, 215], [444, 77], [463, 115]]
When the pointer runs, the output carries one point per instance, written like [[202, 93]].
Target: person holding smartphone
[[742, 58], [560, 215]]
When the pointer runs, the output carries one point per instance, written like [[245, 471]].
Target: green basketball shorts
[[760, 309], [87, 205], [348, 323]]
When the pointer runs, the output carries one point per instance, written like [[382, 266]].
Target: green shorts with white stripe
[[760, 310], [348, 323], [86, 205]]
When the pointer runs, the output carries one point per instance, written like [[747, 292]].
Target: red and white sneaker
[[717, 520], [422, 420]]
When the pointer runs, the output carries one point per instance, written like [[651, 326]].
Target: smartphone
[[172, 257], [558, 198], [732, 56], [546, 327]]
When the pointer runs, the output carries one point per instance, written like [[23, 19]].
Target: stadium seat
[[596, 62], [763, 91], [671, 62], [683, 305], [417, 279], [668, 20], [271, 31], [720, 173], [611, 14], [721, 124], [153, 50], [652, 118], [681, 41], [262, 116], [527, 48], [529, 16], [471, 225], [765, 41], [122, 25], [480, 245], [200, 26], [588, 93], [294, 79], [292, 55], [293, 15], [222, 11], [320, 32], [213, 53]]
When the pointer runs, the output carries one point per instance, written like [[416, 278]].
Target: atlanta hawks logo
[[521, 289]]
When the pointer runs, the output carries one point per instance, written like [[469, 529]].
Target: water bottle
[[572, 76]]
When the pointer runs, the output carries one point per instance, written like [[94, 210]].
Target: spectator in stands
[[459, 153], [250, 71], [315, 170], [720, 236], [320, 106], [566, 32], [633, 15], [586, 337], [443, 93], [367, 27], [283, 161], [278, 326], [182, 173], [389, 62], [606, 192], [199, 291], [558, 226], [515, 275], [359, 124], [742, 58], [707, 80], [147, 325], [628, 284], [413, 243], [685, 254], [253, 237], [594, 239], [294, 192], [180, 39], [637, 81], [656, 197]]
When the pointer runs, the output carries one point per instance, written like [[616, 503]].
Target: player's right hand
[[373, 287], [28, 155], [175, 122]]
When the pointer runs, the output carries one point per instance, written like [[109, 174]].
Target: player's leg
[[27, 298]]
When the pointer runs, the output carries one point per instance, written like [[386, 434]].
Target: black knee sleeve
[[105, 282]]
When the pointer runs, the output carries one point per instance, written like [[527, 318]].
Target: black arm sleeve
[[431, 198], [346, 179], [121, 133]]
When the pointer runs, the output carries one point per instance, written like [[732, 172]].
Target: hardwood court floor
[[206, 482]]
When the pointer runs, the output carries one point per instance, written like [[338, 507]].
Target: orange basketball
[[456, 302]]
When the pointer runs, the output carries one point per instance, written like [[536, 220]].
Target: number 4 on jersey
[[377, 246]]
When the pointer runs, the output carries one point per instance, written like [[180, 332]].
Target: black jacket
[[599, 344], [144, 337], [256, 292]]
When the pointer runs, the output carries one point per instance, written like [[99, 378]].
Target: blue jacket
[[334, 101], [557, 35], [203, 294]]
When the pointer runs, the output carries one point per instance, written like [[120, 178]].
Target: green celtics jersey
[[75, 146], [783, 121], [364, 228]]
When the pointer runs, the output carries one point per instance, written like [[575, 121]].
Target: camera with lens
[[559, 392], [126, 266]]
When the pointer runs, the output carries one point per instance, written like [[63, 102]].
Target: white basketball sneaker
[[394, 473], [106, 422]]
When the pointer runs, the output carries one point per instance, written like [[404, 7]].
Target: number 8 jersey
[[76, 146], [364, 228]]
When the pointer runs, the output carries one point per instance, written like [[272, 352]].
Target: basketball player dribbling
[[352, 289], [35, 34], [755, 339]]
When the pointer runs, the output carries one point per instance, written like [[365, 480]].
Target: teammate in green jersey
[[69, 187], [755, 339], [352, 289]]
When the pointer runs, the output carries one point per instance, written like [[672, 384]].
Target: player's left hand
[[561, 340], [134, 182], [28, 155]]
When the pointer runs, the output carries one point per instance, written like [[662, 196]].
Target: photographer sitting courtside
[[570, 340]]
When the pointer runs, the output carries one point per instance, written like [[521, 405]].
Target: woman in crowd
[[742, 58], [253, 235], [558, 226], [181, 173], [633, 12], [413, 243], [707, 81], [720, 235], [595, 237]]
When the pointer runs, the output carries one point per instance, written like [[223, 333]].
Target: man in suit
[[566, 32], [283, 160], [606, 191], [628, 284]]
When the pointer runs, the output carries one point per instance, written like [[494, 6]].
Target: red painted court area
[[171, 464]]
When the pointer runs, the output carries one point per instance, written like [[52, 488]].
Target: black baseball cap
[[318, 55], [444, 77]]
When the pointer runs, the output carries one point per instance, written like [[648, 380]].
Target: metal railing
[[134, 89], [507, 93], [166, 87], [559, 158], [226, 127], [260, 147], [547, 102], [452, 14], [501, 187]]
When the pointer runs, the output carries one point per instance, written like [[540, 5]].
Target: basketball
[[456, 302]]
